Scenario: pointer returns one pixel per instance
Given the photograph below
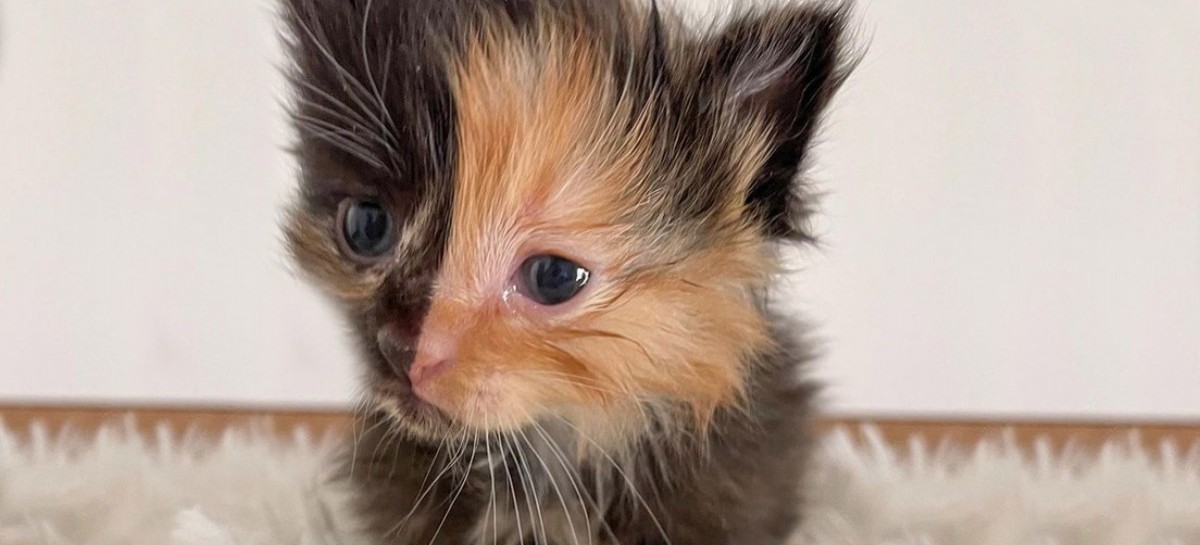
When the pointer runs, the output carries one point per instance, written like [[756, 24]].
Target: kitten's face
[[533, 214]]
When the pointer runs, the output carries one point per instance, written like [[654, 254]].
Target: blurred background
[[1011, 222]]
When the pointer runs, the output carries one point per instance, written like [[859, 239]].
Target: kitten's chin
[[411, 414]]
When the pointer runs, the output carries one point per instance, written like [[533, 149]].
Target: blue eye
[[367, 229], [550, 280]]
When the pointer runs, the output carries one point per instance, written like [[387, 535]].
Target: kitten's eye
[[367, 229], [550, 280]]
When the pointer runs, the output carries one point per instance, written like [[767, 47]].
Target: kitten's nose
[[398, 349], [418, 359], [435, 353]]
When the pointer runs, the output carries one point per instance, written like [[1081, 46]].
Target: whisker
[[466, 477], [525, 488], [512, 488], [580, 489], [432, 464], [492, 489], [422, 494], [388, 126], [350, 133], [387, 67], [629, 482], [338, 140], [573, 476], [553, 484], [351, 140], [387, 431], [531, 493], [357, 432], [356, 88], [348, 114], [390, 439]]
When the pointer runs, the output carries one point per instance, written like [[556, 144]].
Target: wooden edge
[[1027, 434], [898, 432], [205, 420]]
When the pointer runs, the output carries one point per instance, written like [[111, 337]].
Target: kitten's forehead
[[545, 149], [566, 131]]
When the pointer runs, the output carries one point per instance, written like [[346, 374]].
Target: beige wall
[[1012, 225]]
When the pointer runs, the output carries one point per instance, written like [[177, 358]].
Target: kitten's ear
[[781, 64]]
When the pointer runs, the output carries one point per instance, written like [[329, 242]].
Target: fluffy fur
[[248, 487], [662, 405]]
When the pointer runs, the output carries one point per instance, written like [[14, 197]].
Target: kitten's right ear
[[780, 65]]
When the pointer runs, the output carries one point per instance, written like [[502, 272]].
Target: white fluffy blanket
[[250, 488]]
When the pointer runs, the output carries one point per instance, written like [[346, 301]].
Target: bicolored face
[[533, 212]]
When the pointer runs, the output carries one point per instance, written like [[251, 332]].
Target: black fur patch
[[375, 118]]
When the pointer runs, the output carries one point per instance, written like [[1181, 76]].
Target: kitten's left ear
[[781, 64]]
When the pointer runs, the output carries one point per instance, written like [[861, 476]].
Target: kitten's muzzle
[[413, 360]]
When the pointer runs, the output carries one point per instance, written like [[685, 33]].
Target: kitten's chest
[[536, 495], [492, 493]]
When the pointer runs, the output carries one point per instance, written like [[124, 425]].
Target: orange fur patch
[[548, 163]]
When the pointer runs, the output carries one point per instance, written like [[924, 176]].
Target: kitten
[[552, 227]]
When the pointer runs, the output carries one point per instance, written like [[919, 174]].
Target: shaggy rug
[[249, 487]]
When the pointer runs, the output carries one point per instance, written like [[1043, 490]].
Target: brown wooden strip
[[1057, 435], [895, 431], [85, 419]]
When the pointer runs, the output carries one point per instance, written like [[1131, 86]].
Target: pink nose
[[435, 354], [424, 369]]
